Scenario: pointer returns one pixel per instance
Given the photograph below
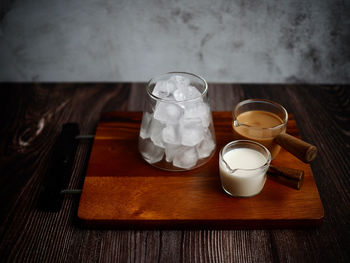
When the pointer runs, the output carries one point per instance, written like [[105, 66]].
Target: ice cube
[[170, 151], [167, 112], [170, 134], [198, 110], [180, 81], [155, 132], [192, 131], [149, 151], [205, 148], [164, 88], [186, 93], [146, 120], [185, 157]]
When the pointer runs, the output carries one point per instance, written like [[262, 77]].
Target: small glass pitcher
[[261, 121]]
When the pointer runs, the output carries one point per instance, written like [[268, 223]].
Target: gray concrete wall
[[132, 40], [4, 7]]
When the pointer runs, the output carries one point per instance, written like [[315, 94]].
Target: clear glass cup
[[261, 121], [177, 131], [243, 165]]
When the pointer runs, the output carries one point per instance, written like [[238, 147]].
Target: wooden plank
[[26, 234], [121, 189]]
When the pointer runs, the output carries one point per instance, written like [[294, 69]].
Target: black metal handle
[[60, 168]]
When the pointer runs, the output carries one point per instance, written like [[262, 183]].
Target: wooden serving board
[[122, 190]]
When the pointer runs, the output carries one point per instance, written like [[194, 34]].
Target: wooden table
[[31, 119]]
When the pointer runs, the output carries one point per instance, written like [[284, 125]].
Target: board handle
[[60, 167], [299, 148]]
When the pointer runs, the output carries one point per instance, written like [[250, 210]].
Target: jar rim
[[246, 142], [203, 93], [262, 101]]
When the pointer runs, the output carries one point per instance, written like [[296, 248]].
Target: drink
[[255, 124], [244, 158], [243, 166], [260, 121]]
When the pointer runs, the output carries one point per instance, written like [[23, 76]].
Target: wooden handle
[[303, 150], [290, 177]]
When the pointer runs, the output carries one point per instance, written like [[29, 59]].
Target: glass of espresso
[[261, 121]]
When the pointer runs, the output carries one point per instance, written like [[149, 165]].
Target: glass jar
[[177, 131], [243, 165], [261, 121]]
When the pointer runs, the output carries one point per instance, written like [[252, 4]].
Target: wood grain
[[29, 235], [121, 189]]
